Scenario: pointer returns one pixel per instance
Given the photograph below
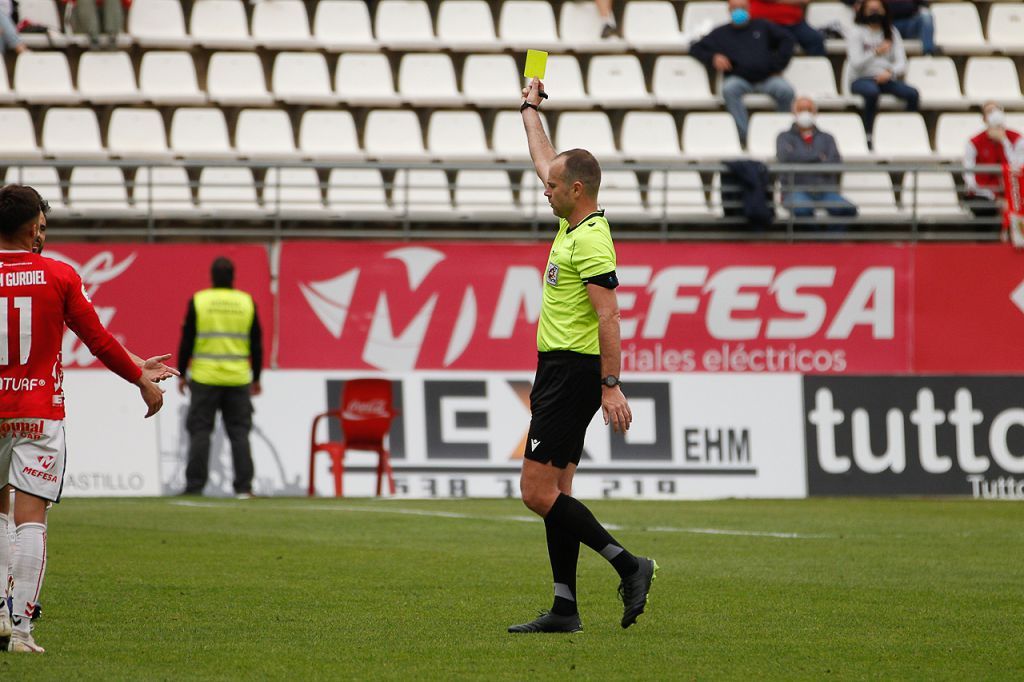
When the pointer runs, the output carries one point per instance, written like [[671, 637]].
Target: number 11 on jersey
[[24, 306]]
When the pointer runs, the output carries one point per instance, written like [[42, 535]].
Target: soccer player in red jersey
[[38, 296]]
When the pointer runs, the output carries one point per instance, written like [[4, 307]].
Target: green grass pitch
[[364, 589]]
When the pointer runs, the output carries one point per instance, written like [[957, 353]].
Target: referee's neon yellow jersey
[[567, 318]]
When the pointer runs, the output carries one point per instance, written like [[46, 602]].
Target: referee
[[577, 373]]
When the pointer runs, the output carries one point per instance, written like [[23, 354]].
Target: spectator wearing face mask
[[789, 14], [877, 61], [750, 54], [804, 143], [996, 145], [914, 22]]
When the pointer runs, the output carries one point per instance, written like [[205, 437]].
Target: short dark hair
[[581, 165], [19, 204], [222, 272]]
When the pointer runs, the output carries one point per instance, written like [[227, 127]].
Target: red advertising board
[[141, 291]]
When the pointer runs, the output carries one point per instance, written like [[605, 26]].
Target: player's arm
[[154, 368], [606, 305], [541, 150]]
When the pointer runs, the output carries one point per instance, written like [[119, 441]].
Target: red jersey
[[37, 297], [782, 14]]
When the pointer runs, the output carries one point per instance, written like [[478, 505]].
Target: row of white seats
[[361, 79], [455, 136], [421, 193]]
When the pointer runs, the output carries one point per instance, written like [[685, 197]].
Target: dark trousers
[[809, 38], [871, 90], [236, 409]]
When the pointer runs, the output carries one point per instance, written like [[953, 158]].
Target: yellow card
[[536, 63]]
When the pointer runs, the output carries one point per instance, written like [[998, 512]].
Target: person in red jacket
[[789, 14], [995, 145]]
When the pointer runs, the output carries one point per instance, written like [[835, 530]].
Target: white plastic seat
[[935, 196], [44, 78], [508, 136], [590, 130], [354, 192], [293, 192], [618, 81], [994, 78], [848, 130], [682, 83], [201, 133], [228, 190], [485, 195], [43, 178], [467, 25], [1006, 26], [329, 135], [700, 18], [302, 78], [822, 14], [404, 25], [107, 77], [137, 133], [1015, 121], [580, 27], [44, 13], [281, 25], [158, 23], [620, 196], [421, 191], [813, 77], [958, 27], [163, 189], [220, 25], [952, 133], [457, 136], [237, 79], [343, 25], [871, 192], [18, 135], [428, 80], [565, 81], [169, 78], [532, 201], [6, 94], [677, 194], [265, 134], [393, 135], [710, 136], [97, 189], [650, 136], [937, 81], [764, 130], [525, 24], [652, 26], [490, 80], [365, 80], [72, 133]]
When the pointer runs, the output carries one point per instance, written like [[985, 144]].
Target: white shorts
[[33, 455]]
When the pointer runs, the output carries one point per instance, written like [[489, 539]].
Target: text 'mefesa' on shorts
[[565, 397], [33, 454]]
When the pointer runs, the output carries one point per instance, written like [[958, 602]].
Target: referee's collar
[[599, 213]]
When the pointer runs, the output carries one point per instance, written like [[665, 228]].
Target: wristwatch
[[611, 381]]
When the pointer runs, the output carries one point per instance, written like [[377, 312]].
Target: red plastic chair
[[365, 415]]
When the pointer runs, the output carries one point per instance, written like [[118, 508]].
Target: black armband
[[608, 280]]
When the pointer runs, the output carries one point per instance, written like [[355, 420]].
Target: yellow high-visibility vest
[[224, 319]]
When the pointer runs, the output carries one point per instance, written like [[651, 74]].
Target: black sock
[[574, 516], [564, 553]]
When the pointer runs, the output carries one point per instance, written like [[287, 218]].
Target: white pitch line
[[513, 519]]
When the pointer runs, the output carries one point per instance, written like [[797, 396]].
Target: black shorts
[[566, 394]]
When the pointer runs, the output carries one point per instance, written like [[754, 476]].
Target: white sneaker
[[24, 643]]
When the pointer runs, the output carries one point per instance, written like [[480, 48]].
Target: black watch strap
[[611, 381], [528, 105]]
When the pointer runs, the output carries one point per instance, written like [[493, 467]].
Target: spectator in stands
[[85, 19], [804, 143], [995, 145], [751, 54], [877, 61], [9, 38], [789, 14], [914, 22], [604, 8]]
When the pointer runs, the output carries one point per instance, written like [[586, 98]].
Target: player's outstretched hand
[[156, 371], [152, 394], [616, 409], [534, 92]]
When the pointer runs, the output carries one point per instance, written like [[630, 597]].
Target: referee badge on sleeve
[[552, 275]]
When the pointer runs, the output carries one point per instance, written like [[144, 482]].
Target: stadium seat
[[44, 78], [848, 129], [617, 81], [394, 136], [405, 25], [355, 192], [281, 25], [526, 24], [457, 136], [107, 77], [534, 204], [682, 83], [237, 79], [1006, 27], [6, 94], [935, 195], [650, 136], [580, 28], [18, 135], [952, 133], [508, 136], [293, 192], [677, 194], [1015, 121], [937, 81], [228, 190], [169, 78], [158, 23], [485, 195], [902, 137], [711, 136], [220, 25], [813, 77], [265, 134], [163, 189], [565, 79], [365, 80], [958, 28], [329, 135], [340, 25], [871, 192], [201, 133], [137, 133], [590, 130], [43, 178], [42, 13], [699, 18], [302, 78], [620, 197], [467, 25], [993, 78], [490, 80], [765, 127], [72, 133], [421, 191], [428, 80], [98, 189], [652, 26]]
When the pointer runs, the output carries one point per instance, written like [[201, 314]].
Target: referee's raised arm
[[541, 150]]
